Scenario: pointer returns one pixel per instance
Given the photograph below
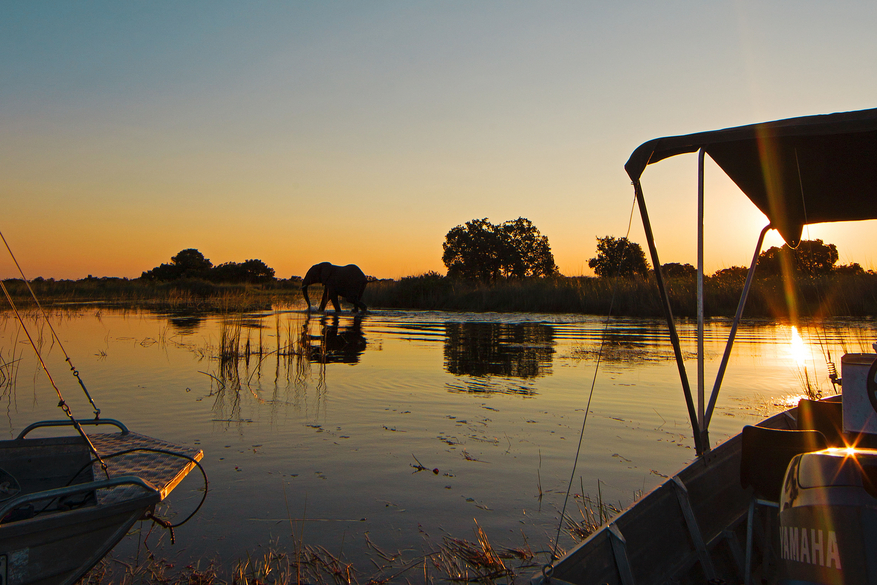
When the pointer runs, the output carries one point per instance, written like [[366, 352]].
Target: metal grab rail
[[75, 489], [68, 423]]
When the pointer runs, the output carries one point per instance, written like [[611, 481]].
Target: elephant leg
[[336, 304], [357, 303], [304, 291], [325, 298]]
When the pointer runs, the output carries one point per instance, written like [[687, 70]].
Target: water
[[399, 429]]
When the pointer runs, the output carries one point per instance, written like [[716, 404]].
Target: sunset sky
[[361, 132]]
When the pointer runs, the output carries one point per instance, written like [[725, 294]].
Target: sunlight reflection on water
[[320, 424]]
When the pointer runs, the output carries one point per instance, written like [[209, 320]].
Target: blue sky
[[364, 131]]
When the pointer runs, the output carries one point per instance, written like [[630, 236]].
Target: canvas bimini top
[[797, 171]]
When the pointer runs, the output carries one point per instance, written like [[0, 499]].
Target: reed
[[193, 295], [454, 560], [837, 294], [853, 295]]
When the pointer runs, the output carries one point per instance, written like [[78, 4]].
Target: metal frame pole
[[668, 314], [700, 320], [721, 374]]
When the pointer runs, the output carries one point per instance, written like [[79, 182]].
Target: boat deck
[[160, 463]]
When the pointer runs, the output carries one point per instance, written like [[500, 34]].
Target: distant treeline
[[840, 293], [833, 295], [184, 294], [804, 282]]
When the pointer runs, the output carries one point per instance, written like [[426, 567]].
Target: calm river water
[[316, 434]]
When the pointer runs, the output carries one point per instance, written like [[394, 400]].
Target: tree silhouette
[[677, 270], [472, 251], [190, 263], [251, 271], [735, 274], [811, 257], [482, 250], [619, 257], [525, 251]]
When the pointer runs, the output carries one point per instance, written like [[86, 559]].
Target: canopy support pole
[[743, 296], [701, 400], [668, 314]]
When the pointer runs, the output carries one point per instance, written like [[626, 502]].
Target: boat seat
[[765, 456], [822, 416]]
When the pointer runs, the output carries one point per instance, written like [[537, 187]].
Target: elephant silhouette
[[347, 282]]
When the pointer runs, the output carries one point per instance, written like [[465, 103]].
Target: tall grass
[[192, 294], [838, 294], [835, 295]]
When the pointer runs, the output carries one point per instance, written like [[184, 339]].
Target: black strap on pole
[[671, 323]]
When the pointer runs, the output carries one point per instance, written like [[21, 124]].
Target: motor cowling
[[828, 518]]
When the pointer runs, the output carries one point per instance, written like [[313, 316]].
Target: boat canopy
[[797, 171]]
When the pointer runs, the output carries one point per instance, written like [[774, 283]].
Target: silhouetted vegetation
[[810, 258], [619, 257], [812, 286], [184, 294], [191, 264], [484, 251], [677, 270], [841, 293]]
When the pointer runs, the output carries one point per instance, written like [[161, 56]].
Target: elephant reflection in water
[[334, 344], [347, 282]]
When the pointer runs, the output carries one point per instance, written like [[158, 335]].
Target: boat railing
[[62, 492], [69, 423]]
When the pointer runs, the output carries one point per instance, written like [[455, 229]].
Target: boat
[[68, 496], [793, 498]]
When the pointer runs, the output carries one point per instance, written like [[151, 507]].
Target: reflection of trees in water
[[288, 357], [515, 350], [186, 324]]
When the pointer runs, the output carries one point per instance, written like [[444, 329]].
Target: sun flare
[[798, 349]]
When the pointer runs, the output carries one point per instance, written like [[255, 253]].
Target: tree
[[811, 257], [731, 274], [482, 250], [677, 270], [250, 271], [525, 251], [853, 268], [188, 263], [771, 261], [192, 263], [473, 251], [619, 257]]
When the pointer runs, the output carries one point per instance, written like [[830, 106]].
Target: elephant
[[344, 281]]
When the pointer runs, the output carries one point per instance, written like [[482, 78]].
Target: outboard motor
[[828, 508], [828, 518]]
